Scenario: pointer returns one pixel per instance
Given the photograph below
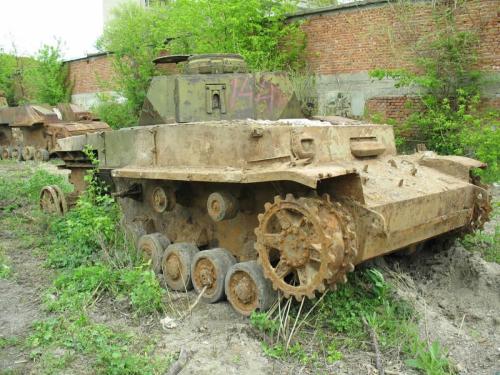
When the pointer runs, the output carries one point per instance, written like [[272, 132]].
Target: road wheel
[[6, 152], [16, 153], [247, 289], [176, 266], [208, 272], [41, 154], [151, 248], [28, 152]]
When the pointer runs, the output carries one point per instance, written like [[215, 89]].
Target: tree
[[7, 71], [47, 78]]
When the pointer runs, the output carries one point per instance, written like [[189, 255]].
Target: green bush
[[115, 114], [81, 234], [77, 288], [448, 120]]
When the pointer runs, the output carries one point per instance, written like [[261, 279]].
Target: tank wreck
[[229, 190]]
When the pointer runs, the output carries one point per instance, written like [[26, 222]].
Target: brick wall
[[92, 74], [381, 35], [392, 107]]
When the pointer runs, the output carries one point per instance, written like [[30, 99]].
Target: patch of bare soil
[[20, 303], [457, 295]]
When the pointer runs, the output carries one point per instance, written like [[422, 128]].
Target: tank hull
[[31, 132], [359, 198]]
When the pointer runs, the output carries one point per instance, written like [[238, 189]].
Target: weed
[[338, 321], [76, 289], [262, 322], [143, 290], [431, 359], [112, 351], [276, 351], [5, 269], [78, 236], [8, 341], [332, 353]]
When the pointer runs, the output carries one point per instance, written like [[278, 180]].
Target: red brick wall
[[91, 75], [95, 74], [392, 107], [366, 38]]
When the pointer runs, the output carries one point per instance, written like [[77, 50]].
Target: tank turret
[[217, 87]]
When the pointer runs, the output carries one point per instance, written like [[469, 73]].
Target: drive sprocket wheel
[[305, 244]]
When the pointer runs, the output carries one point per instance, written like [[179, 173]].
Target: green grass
[[110, 350], [76, 289], [24, 185], [5, 268], [93, 262]]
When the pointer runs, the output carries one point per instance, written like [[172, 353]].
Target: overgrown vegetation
[[252, 28], [448, 117], [324, 329], [94, 262], [40, 79], [115, 113], [48, 78]]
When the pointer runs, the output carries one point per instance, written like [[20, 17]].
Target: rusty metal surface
[[394, 201], [40, 126]]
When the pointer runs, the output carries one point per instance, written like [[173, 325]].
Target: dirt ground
[[456, 293]]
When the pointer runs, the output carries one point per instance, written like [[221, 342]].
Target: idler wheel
[[222, 206], [41, 154], [28, 152], [208, 270], [247, 289], [52, 200], [151, 248], [16, 153], [6, 152], [305, 244], [176, 265]]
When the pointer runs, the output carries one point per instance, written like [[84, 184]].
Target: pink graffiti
[[268, 95]]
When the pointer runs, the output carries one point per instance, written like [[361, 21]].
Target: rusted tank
[[31, 131], [243, 208]]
